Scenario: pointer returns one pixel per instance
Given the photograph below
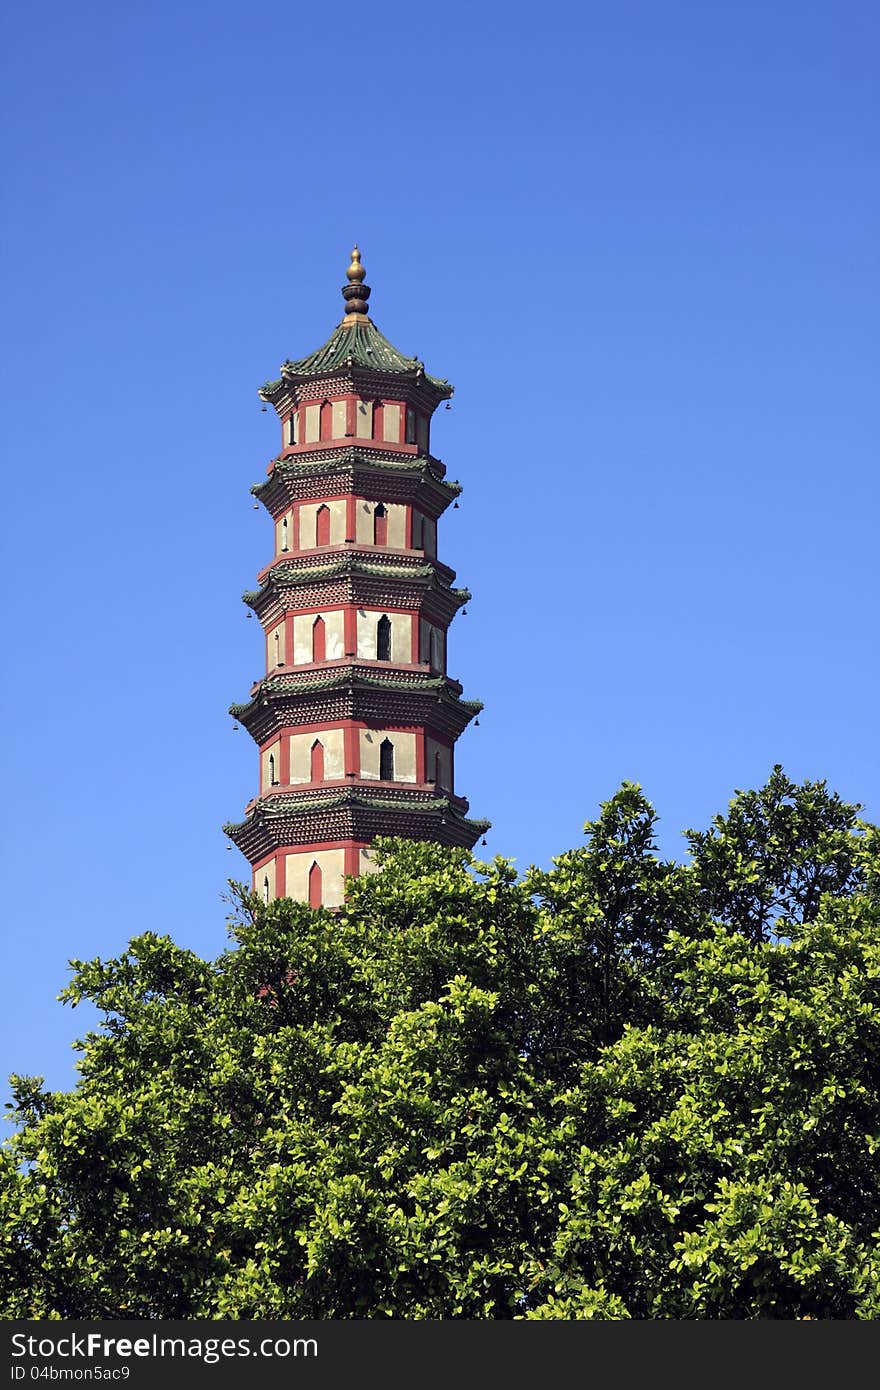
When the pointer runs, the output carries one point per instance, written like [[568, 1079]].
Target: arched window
[[380, 525], [291, 428], [386, 760], [317, 761], [265, 888], [322, 525], [383, 638], [319, 640], [285, 533], [316, 885], [279, 650], [326, 417], [272, 781]]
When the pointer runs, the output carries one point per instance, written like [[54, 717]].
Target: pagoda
[[356, 718]]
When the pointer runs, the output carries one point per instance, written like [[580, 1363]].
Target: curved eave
[[352, 347], [283, 577], [437, 689], [424, 467], [435, 810], [283, 488]]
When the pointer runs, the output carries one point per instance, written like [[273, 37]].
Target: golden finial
[[356, 271], [355, 293]]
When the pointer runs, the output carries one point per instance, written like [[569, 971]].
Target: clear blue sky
[[641, 239]]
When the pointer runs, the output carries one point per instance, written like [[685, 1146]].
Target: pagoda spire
[[355, 293]]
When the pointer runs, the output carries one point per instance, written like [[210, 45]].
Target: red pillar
[[316, 885]]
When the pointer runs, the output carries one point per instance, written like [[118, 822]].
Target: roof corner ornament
[[355, 293]]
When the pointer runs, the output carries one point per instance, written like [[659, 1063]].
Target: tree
[[618, 1088], [765, 866]]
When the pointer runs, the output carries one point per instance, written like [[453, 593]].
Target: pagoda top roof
[[355, 342]]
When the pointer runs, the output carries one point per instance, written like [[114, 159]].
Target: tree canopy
[[619, 1088]]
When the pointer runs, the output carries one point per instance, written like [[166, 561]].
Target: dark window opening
[[383, 639], [386, 760]]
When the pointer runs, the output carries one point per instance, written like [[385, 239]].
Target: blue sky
[[641, 239]]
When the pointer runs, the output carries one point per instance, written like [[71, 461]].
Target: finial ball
[[356, 271]]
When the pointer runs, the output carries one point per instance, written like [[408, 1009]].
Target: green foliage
[[620, 1088], [765, 866]]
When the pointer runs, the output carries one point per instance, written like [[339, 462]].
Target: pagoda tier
[[356, 719]]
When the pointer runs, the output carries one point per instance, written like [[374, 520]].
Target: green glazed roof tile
[[343, 460], [356, 345]]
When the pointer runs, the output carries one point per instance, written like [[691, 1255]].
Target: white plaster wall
[[274, 654], [308, 522], [432, 748], [332, 864], [274, 750], [312, 423], [401, 635], [283, 540], [266, 871], [364, 523], [338, 419], [364, 420], [301, 755], [396, 525], [391, 424], [432, 645], [334, 637], [368, 864], [404, 753]]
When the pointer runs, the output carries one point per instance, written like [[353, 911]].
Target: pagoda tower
[[355, 719]]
